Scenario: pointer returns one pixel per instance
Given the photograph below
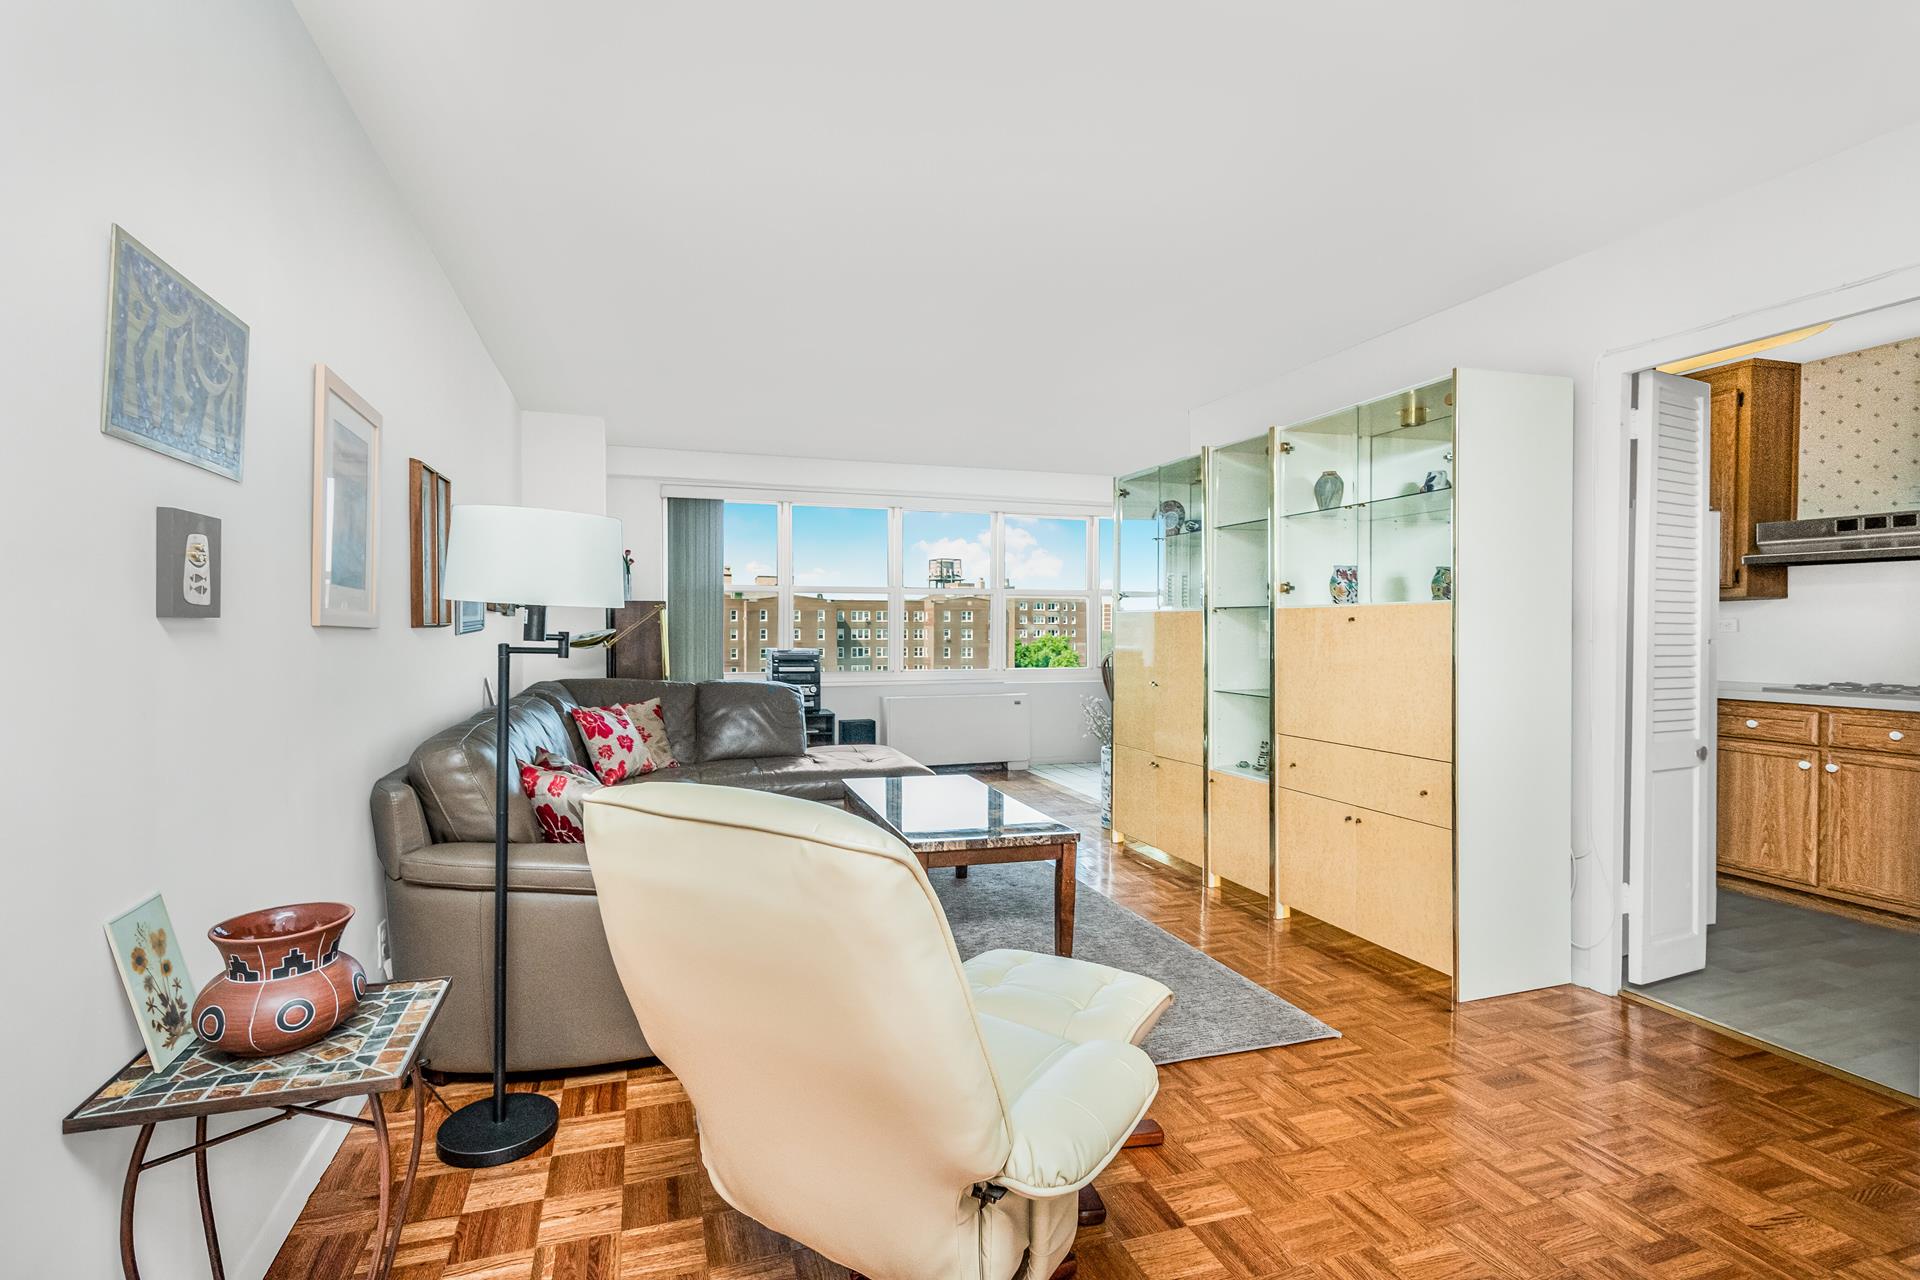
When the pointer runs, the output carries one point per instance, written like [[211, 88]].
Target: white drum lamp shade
[[534, 556]]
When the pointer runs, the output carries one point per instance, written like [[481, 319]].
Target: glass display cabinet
[[1423, 675], [1239, 640], [1366, 502], [1159, 698]]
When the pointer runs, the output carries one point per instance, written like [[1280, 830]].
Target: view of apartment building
[[939, 632]]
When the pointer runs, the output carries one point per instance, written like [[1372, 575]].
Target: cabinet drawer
[[1891, 731], [1770, 722], [1407, 786]]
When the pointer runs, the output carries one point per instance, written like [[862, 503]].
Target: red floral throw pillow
[[617, 748], [557, 787], [652, 727]]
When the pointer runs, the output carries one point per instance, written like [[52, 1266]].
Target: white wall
[[1838, 622], [224, 762], [636, 477], [1844, 220], [563, 467]]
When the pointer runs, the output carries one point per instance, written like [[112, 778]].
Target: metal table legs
[[393, 1209]]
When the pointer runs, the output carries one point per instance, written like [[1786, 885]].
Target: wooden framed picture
[[429, 508], [469, 616], [346, 505], [153, 969]]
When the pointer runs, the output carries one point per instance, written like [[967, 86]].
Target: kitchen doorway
[[1772, 881]]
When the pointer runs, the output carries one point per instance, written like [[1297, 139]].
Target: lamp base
[[471, 1138]]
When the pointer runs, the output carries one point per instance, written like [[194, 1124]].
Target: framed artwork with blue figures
[[153, 969], [176, 377]]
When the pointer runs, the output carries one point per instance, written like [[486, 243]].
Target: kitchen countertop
[[1809, 698]]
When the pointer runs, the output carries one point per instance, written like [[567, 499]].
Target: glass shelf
[[1240, 628], [1246, 693], [1399, 506], [1225, 608], [1257, 775], [1253, 525]]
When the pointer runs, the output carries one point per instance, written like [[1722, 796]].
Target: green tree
[[1045, 651]]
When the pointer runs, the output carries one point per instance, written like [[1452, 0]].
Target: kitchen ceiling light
[[1742, 351]]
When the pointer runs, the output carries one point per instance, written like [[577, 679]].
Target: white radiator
[[966, 728]]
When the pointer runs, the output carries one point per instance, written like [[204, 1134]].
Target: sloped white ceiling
[[1035, 234]]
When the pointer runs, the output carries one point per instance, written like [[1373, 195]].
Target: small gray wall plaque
[[186, 564]]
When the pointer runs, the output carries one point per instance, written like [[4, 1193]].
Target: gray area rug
[[1215, 1010]]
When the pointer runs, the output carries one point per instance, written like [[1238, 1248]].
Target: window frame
[[785, 631]]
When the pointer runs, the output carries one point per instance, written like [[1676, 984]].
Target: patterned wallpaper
[[1860, 431]]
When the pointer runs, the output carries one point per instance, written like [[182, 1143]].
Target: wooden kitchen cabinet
[[1770, 810], [1869, 847], [1832, 812], [1754, 466]]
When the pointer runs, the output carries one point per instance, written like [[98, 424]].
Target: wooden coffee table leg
[[1063, 885], [1147, 1133], [960, 872]]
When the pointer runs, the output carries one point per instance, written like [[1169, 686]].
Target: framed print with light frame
[[346, 505], [429, 506], [469, 616]]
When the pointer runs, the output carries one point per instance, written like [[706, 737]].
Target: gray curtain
[[696, 558]]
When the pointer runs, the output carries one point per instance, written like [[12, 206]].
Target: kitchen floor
[[1823, 986]]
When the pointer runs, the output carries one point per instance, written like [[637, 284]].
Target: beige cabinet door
[[1177, 676], [1132, 692], [1769, 810], [1403, 894], [1379, 676], [1237, 830], [1872, 808], [1315, 848], [1136, 794], [1179, 818]]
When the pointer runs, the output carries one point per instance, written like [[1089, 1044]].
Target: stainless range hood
[[1892, 535]]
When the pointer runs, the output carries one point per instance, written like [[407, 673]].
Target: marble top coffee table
[[953, 820]]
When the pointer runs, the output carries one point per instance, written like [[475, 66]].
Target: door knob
[[1832, 767], [1806, 764], [1896, 735], [1700, 752], [1753, 724]]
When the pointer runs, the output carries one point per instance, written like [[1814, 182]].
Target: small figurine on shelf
[[1344, 585], [1442, 583], [1264, 760], [1328, 490]]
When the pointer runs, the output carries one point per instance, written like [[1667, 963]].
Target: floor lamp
[[532, 558]]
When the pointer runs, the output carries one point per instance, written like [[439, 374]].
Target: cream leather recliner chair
[[857, 1087]]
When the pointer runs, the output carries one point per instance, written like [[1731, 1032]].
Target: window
[[839, 547], [946, 550], [750, 531], [1031, 590]]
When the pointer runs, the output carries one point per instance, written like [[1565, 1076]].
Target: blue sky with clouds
[[847, 547]]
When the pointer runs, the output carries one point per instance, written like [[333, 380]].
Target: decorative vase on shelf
[[287, 982], [1442, 582], [1435, 481], [1328, 490], [1345, 584]]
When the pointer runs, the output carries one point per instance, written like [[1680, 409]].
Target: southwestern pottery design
[[287, 982]]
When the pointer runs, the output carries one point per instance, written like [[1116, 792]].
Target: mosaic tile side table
[[375, 1051]]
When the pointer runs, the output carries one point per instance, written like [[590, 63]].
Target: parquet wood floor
[[1557, 1134]]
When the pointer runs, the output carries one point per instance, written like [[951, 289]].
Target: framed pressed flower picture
[[153, 969]]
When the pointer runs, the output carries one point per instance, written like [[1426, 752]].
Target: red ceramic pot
[[287, 982]]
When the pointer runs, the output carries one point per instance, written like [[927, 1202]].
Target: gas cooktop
[[1851, 688]]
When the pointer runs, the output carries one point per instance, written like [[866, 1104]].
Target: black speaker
[[856, 731]]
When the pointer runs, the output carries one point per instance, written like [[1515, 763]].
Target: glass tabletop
[[953, 811]]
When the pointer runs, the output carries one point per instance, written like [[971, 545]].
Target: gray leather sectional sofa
[[433, 826]]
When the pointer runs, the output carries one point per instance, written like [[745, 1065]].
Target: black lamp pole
[[503, 1128]]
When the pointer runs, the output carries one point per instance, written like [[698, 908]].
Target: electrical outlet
[[384, 944], [1729, 625]]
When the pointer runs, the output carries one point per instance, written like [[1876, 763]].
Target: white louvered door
[[1670, 864]]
